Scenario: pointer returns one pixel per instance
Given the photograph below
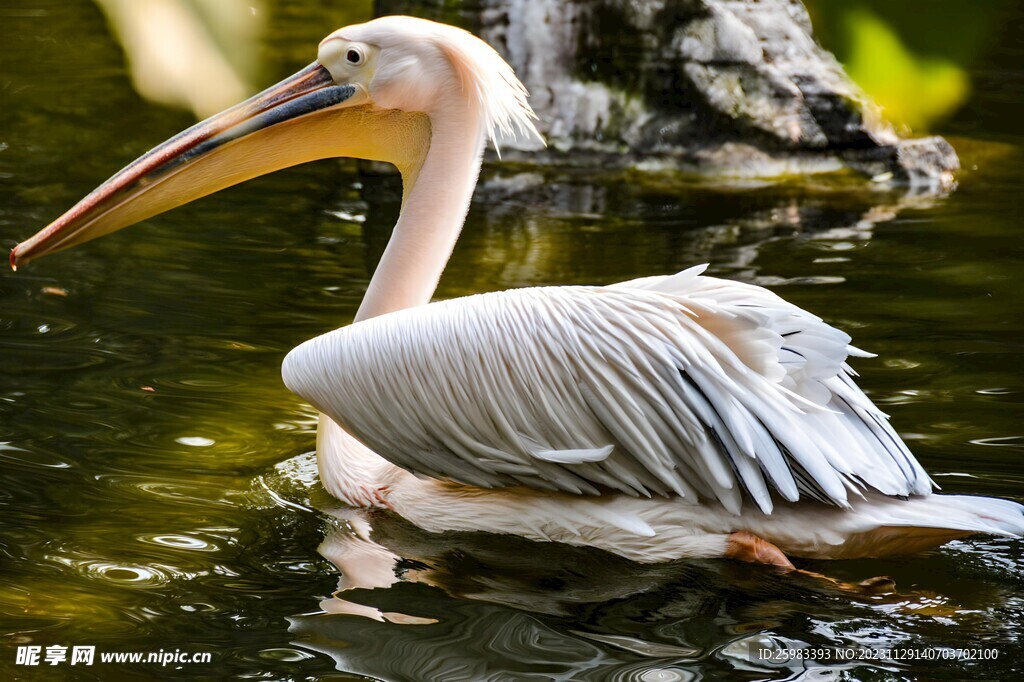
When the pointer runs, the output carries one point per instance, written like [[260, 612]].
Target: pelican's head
[[376, 91]]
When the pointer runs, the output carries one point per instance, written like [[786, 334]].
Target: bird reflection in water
[[462, 606]]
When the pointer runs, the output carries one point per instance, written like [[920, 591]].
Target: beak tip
[[15, 259]]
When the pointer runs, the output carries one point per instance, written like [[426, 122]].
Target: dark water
[[153, 489]]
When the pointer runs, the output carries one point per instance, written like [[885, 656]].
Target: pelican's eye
[[355, 56]]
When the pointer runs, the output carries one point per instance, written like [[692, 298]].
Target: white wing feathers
[[682, 385]]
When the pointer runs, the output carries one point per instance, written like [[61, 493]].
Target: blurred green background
[[920, 59]]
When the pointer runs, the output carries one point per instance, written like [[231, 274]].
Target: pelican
[[660, 418]]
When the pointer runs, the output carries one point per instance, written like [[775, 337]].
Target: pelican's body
[[569, 415], [666, 417]]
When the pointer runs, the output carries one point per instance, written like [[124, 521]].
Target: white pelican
[[665, 417]]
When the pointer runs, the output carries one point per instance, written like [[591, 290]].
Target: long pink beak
[[155, 182]]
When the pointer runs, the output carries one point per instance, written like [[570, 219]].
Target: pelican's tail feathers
[[906, 527], [883, 526], [968, 513]]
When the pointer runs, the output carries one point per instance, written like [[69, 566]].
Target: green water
[[153, 489]]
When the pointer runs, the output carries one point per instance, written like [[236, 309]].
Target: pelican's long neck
[[438, 190]]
